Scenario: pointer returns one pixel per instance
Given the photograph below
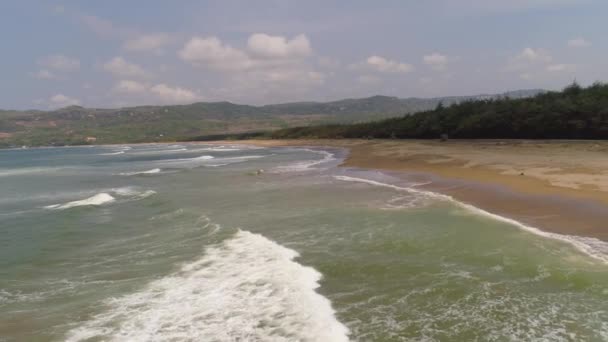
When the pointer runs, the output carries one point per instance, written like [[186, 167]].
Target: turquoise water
[[194, 243]]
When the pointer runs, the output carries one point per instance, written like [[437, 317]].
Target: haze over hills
[[76, 125]]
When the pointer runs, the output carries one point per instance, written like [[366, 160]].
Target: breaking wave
[[99, 199], [147, 172], [112, 153], [102, 198], [247, 288]]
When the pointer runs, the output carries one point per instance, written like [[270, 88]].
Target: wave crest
[[124, 194], [248, 288], [147, 172], [99, 199]]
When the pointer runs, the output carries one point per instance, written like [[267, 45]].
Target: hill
[[574, 113], [78, 125]]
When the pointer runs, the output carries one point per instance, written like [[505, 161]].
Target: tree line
[[574, 113]]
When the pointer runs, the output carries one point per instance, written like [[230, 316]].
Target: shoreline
[[555, 186], [549, 193]]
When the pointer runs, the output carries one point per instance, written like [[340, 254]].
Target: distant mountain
[[78, 125]]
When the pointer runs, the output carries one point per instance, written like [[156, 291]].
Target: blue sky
[[122, 53]]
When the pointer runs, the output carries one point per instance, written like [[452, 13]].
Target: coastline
[[556, 186]]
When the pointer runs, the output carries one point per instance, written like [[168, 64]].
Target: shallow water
[[192, 242]]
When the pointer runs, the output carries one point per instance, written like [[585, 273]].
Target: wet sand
[[556, 186]]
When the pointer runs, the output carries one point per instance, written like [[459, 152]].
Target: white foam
[[224, 149], [26, 171], [144, 194], [167, 216], [194, 159], [592, 247], [218, 149], [99, 199], [147, 172], [306, 165], [405, 202], [112, 153], [124, 194], [158, 151], [132, 193], [238, 159], [125, 148], [245, 289], [207, 160]]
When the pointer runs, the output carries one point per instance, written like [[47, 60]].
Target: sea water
[[192, 242]]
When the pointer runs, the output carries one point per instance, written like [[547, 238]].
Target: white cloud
[[130, 87], [534, 55], [529, 58], [267, 46], [168, 94], [263, 51], [158, 93], [436, 61], [118, 66], [578, 43], [43, 75], [212, 53], [534, 63], [60, 100], [60, 63], [561, 67], [147, 42], [382, 64], [266, 66], [301, 77]]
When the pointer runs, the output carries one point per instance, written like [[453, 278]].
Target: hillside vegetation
[[574, 113], [78, 125]]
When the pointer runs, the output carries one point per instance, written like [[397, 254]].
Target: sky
[[112, 53]]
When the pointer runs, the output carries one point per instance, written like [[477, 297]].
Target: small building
[[90, 139]]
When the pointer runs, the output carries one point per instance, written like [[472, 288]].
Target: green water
[[211, 249]]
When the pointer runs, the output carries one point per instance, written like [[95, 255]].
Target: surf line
[[592, 247]]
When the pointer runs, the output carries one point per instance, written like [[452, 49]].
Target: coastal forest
[[574, 113]]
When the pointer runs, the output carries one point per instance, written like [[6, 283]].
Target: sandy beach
[[557, 186]]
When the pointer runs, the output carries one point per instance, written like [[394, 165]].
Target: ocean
[[194, 242]]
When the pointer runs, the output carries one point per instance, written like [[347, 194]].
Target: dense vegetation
[[574, 113], [77, 125]]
